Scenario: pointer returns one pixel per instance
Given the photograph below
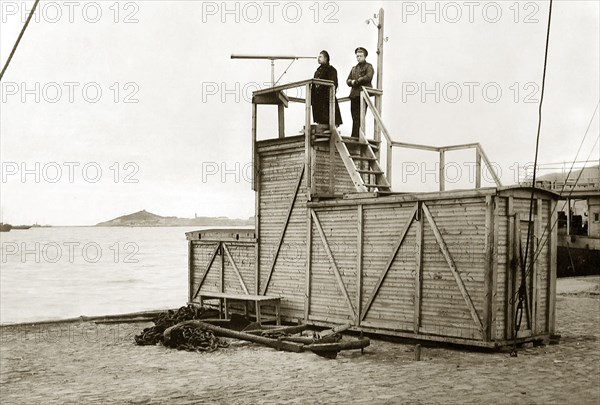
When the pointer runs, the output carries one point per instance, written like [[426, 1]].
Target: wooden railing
[[390, 144], [276, 96]]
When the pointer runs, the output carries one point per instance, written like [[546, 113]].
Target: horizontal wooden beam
[[458, 147], [292, 86]]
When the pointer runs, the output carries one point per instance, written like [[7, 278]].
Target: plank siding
[[278, 179], [359, 271]]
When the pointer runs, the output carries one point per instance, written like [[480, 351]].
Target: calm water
[[59, 272]]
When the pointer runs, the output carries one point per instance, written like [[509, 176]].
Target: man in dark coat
[[320, 94], [360, 75]]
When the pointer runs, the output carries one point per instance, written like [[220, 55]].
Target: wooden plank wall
[[393, 307], [341, 181], [462, 224], [222, 275], [404, 264], [503, 266], [281, 164]]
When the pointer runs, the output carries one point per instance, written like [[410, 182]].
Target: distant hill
[[145, 218]]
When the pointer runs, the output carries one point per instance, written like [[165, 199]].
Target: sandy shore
[[81, 363]]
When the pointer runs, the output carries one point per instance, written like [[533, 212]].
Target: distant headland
[[144, 218]]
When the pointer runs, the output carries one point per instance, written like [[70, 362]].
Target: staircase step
[[358, 157], [379, 186], [376, 172]]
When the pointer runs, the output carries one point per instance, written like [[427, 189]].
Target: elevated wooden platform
[[335, 241]]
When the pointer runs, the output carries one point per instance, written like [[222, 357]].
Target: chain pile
[[185, 337]]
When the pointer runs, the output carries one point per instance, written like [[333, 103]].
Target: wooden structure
[[258, 300], [339, 245]]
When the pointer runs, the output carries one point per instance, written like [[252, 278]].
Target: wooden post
[[308, 264], [256, 188], [442, 170], [552, 276], [378, 98], [388, 164], [255, 163], [308, 144], [537, 233], [331, 140], [257, 217], [418, 267], [495, 241], [281, 119], [359, 261], [190, 272], [363, 113], [222, 275], [510, 271], [568, 216], [477, 168], [487, 281]]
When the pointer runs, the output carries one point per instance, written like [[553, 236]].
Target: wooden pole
[[477, 168], [307, 148], [359, 261], [378, 99], [254, 152], [281, 119], [442, 170], [308, 264]]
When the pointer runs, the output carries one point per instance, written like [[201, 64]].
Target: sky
[[111, 107]]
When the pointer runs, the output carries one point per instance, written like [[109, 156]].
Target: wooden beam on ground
[[336, 271], [210, 263], [389, 262], [453, 269], [235, 268], [284, 228]]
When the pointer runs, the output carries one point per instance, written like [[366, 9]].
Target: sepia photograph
[[299, 202]]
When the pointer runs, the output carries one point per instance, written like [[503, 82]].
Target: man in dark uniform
[[360, 75]]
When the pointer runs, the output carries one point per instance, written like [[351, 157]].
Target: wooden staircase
[[362, 163]]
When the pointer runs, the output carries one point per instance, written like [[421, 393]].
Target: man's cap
[[361, 49]]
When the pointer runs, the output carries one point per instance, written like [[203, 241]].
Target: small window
[[596, 217]]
